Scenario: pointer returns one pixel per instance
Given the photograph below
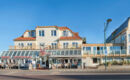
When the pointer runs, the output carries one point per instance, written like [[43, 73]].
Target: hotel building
[[53, 47], [62, 44]]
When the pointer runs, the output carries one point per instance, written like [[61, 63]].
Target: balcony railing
[[38, 47], [101, 52], [22, 48]]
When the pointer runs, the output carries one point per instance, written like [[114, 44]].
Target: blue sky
[[84, 16]]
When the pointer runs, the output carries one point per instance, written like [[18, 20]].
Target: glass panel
[[23, 53], [79, 52], [88, 48], [18, 53], [58, 52], [75, 52], [84, 48], [62, 52], [11, 52], [3, 53], [94, 50], [101, 50], [123, 51], [14, 54], [36, 53], [66, 52], [71, 52], [6, 53], [53, 52], [31, 53], [27, 52]]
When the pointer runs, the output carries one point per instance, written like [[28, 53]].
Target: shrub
[[114, 63], [128, 62]]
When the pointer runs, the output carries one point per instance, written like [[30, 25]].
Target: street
[[65, 77], [58, 75]]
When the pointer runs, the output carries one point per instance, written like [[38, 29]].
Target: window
[[129, 37], [42, 45], [84, 48], [129, 49], [95, 50], [53, 33], [65, 45], [75, 44], [21, 44], [29, 34], [33, 34], [41, 33], [65, 33], [87, 48], [29, 44], [54, 45]]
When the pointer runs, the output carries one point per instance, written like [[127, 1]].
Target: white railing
[[99, 52], [65, 53], [36, 47]]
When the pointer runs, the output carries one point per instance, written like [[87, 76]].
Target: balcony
[[22, 48], [34, 47]]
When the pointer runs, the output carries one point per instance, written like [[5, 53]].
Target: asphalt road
[[65, 77], [56, 75]]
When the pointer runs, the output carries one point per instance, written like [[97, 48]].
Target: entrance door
[[66, 60], [47, 63], [94, 60]]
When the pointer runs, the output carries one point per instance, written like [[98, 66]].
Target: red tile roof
[[70, 38], [46, 26], [60, 28], [64, 28], [74, 37], [25, 39]]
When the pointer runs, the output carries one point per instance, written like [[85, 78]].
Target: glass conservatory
[[47, 58]]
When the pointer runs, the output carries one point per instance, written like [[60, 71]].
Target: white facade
[[46, 36], [47, 39]]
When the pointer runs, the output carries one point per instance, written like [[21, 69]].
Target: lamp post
[[105, 49]]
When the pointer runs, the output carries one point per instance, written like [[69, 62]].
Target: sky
[[84, 16]]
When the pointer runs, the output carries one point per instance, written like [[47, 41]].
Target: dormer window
[[33, 34], [65, 33], [29, 34]]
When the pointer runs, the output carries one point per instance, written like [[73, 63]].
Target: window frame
[[53, 33]]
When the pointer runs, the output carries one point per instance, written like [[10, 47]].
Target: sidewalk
[[116, 68], [124, 68]]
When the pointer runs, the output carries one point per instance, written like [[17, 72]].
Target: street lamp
[[105, 49]]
